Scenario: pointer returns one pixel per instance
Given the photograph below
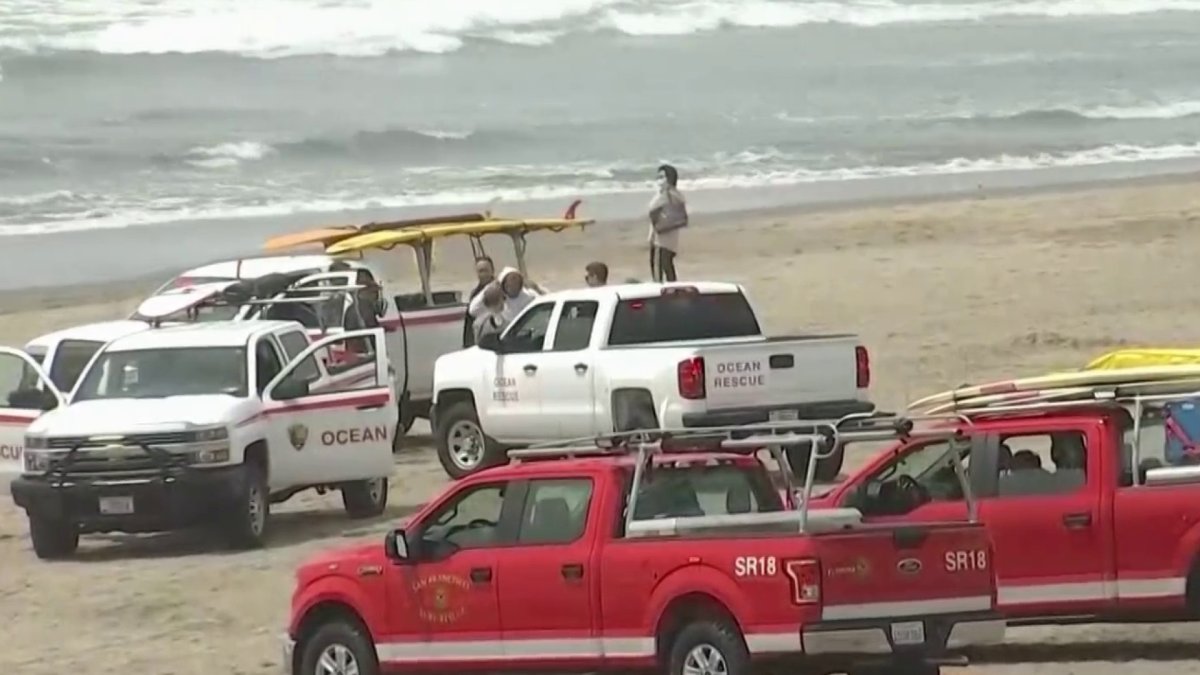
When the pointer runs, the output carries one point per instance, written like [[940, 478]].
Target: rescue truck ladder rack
[[824, 436]]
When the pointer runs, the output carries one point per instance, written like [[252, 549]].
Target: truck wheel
[[338, 648], [462, 446], [248, 517], [708, 647], [365, 498], [53, 539]]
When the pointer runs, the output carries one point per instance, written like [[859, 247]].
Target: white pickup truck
[[579, 363], [202, 424]]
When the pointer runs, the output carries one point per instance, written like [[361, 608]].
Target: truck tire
[[708, 646], [342, 644], [828, 468], [462, 447], [365, 498], [53, 539], [248, 518]]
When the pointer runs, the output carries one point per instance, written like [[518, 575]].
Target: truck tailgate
[[922, 570], [781, 371]]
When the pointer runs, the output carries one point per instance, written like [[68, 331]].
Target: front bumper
[[172, 499], [822, 410]]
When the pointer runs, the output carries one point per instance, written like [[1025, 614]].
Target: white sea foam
[[228, 154], [83, 212], [277, 28]]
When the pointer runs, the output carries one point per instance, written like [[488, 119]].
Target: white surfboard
[[1081, 378], [179, 299]]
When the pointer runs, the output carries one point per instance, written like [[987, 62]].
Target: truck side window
[[705, 490], [555, 511], [528, 333], [70, 359], [20, 386], [266, 363], [471, 519], [574, 330], [923, 474], [1048, 463]]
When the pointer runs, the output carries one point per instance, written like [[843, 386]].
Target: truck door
[[341, 432], [514, 376], [567, 371], [553, 554], [1043, 514], [25, 393], [454, 579]]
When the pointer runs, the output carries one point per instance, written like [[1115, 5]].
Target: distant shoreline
[[56, 270]]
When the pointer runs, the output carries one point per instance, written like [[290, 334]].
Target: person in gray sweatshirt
[[668, 215]]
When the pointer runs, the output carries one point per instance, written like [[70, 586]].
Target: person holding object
[[668, 215], [517, 294], [491, 321]]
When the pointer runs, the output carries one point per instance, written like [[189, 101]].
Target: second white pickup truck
[[583, 362]]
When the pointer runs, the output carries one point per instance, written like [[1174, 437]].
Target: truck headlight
[[36, 462], [214, 434], [36, 442], [217, 456]]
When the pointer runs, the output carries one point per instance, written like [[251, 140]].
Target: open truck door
[[343, 431], [26, 392]]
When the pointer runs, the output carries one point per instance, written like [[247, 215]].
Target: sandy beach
[[941, 291]]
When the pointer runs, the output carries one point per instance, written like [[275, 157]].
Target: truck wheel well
[[256, 453], [633, 409], [684, 610], [450, 397], [318, 615]]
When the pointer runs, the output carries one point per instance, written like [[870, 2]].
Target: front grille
[[161, 438], [82, 464]]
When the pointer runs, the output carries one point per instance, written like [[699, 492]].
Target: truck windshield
[[158, 373], [682, 316], [705, 490]]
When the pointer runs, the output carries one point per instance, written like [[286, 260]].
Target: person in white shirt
[[517, 294]]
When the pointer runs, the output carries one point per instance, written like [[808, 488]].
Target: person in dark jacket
[[485, 272]]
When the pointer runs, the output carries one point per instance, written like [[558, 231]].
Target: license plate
[[783, 415], [908, 633], [116, 506]]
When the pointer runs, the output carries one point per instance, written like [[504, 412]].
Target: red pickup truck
[[702, 567], [1079, 535]]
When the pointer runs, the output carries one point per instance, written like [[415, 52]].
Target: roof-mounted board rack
[[1069, 392]]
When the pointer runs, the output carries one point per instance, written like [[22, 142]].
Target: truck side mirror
[[395, 545], [490, 342]]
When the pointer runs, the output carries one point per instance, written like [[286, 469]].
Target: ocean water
[[123, 113]]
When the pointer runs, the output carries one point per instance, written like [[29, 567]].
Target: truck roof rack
[[823, 435]]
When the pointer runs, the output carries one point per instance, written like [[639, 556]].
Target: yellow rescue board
[[1135, 358], [323, 236], [1078, 378], [388, 239]]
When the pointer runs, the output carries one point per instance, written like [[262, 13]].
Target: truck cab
[[208, 424], [583, 362], [1117, 534], [642, 559]]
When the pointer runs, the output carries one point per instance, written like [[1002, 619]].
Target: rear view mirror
[[290, 389]]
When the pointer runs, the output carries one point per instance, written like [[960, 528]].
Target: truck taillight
[[805, 574], [690, 374], [862, 367]]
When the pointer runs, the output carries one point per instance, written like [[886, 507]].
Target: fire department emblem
[[441, 598], [298, 436]]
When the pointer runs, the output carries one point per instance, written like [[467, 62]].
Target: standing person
[[517, 294], [485, 273], [491, 321], [668, 215], [596, 274]]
